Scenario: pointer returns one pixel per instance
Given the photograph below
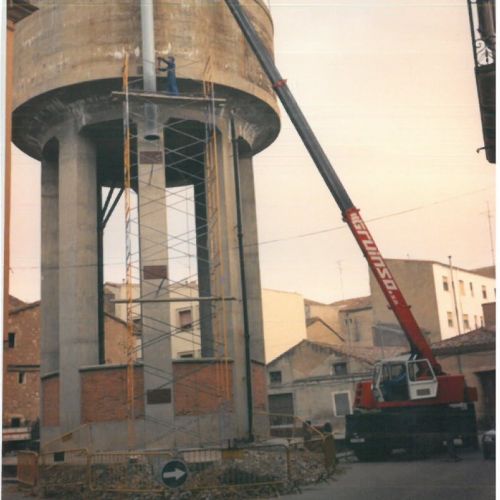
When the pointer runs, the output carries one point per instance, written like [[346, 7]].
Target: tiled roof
[[314, 302], [354, 303], [482, 339], [489, 271], [14, 302], [368, 355], [24, 307]]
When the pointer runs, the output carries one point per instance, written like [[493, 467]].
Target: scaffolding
[[197, 149]]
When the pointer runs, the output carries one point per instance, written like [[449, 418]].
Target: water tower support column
[[156, 328], [78, 319]]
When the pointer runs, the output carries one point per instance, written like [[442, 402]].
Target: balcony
[[483, 34]]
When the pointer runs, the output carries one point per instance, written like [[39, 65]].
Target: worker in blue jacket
[[172, 88]]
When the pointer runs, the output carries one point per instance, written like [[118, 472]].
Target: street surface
[[473, 478]]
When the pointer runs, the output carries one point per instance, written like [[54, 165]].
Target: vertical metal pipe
[[246, 324], [148, 44], [100, 275], [151, 132]]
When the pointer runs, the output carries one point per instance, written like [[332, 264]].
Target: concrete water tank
[[69, 59]]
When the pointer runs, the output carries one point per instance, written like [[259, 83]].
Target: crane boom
[[350, 213]]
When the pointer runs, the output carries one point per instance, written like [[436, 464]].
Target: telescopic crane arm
[[350, 213]]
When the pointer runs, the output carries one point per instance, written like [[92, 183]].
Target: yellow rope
[[130, 321]]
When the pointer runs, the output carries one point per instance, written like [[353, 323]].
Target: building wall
[[356, 326], [472, 365], [21, 367], [421, 283], [307, 372], [283, 317], [469, 289], [284, 321], [320, 332], [489, 312], [50, 404], [416, 281], [115, 340], [22, 400], [104, 394], [327, 312], [314, 401]]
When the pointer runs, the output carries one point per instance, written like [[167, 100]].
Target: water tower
[[73, 113]]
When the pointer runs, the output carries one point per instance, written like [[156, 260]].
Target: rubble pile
[[251, 473]]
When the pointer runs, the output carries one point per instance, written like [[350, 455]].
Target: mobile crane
[[410, 403]]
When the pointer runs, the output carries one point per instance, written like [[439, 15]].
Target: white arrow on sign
[[176, 473]]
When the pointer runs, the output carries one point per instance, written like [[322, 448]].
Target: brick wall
[[21, 364], [22, 400], [104, 394], [259, 386], [201, 385], [50, 409], [115, 340]]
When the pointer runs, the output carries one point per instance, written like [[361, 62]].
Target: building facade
[[21, 360], [346, 322], [283, 318], [446, 301], [317, 382], [473, 354]]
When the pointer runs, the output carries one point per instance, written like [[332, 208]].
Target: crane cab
[[404, 379]]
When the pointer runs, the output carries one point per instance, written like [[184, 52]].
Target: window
[[471, 286], [15, 422], [21, 377], [483, 291], [446, 287], [419, 370], [185, 319], [281, 409], [275, 377], [186, 355], [461, 287], [138, 346], [137, 325], [449, 314], [341, 404], [466, 322], [11, 340], [339, 368]]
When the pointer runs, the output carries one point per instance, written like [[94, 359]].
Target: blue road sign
[[174, 473]]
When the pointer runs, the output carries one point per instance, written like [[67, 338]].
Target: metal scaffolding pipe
[[151, 132]]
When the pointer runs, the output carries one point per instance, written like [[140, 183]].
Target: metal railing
[[255, 470], [483, 31]]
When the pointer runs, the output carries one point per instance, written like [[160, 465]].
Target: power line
[[373, 219]]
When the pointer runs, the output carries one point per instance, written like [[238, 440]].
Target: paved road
[[473, 478]]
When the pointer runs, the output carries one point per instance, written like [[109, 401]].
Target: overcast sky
[[389, 89]]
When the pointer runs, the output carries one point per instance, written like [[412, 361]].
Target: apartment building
[[446, 300]]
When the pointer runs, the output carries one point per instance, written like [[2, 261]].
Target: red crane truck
[[410, 403]]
